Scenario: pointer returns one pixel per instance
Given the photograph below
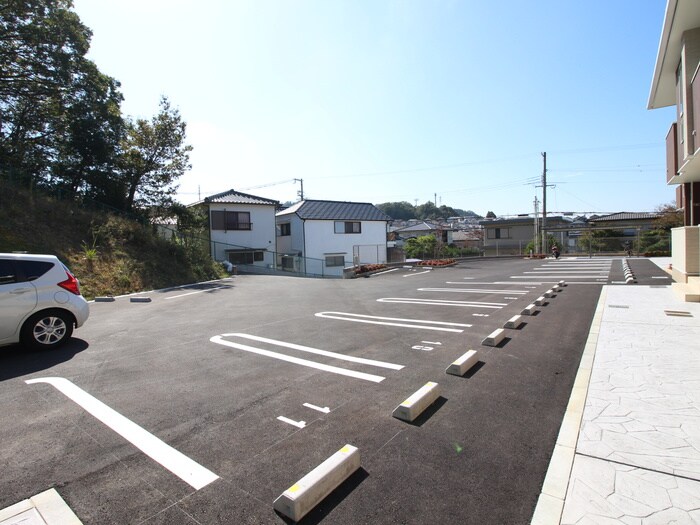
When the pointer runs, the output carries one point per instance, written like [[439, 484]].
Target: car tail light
[[71, 284]]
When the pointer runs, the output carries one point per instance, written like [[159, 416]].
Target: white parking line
[[303, 362], [385, 271], [441, 302], [480, 290], [298, 424], [419, 273], [183, 467], [470, 290], [392, 321], [325, 410], [316, 351], [192, 293], [554, 277]]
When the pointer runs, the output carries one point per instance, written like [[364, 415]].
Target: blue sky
[[393, 100]]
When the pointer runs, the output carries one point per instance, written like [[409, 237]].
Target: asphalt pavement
[[199, 368]]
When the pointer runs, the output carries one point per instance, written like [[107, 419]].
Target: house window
[[498, 233], [285, 229], [335, 260], [246, 257], [230, 220], [348, 227]]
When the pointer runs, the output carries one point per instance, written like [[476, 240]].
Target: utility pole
[[300, 193], [543, 229], [544, 202], [537, 223]]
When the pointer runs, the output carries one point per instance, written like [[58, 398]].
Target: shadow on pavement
[[326, 506], [17, 361]]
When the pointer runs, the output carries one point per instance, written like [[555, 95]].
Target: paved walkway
[[629, 446]]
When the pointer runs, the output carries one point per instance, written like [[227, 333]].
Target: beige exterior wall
[[686, 253]]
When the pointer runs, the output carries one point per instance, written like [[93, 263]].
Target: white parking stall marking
[[298, 424], [441, 302], [431, 343], [183, 467], [419, 273], [198, 291], [344, 357], [520, 292], [218, 339], [385, 271], [470, 290], [392, 321], [325, 410], [554, 277]]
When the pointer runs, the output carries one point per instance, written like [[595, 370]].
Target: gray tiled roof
[[626, 216], [336, 210], [236, 197], [422, 226]]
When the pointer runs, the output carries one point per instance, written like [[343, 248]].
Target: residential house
[[510, 236], [241, 228], [628, 223], [420, 228], [467, 239], [676, 82], [321, 237]]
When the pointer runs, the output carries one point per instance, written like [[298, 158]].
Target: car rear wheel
[[47, 330]]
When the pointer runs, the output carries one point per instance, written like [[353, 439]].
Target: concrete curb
[[550, 504]]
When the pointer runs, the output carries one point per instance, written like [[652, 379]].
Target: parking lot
[[204, 404]]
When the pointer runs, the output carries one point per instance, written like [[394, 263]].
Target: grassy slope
[[128, 258]]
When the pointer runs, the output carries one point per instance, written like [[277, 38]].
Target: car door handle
[[20, 291]]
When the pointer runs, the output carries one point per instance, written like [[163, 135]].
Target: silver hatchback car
[[40, 301]]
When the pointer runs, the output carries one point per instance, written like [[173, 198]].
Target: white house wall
[[321, 241], [261, 236], [293, 243]]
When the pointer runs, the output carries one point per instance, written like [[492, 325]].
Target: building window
[[335, 260], [230, 220], [246, 257], [348, 227], [498, 233], [285, 229]]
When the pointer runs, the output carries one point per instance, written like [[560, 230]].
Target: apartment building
[[676, 83]]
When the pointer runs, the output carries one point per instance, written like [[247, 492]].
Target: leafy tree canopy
[[405, 210], [671, 217], [61, 126]]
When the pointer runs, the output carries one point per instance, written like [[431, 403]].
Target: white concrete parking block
[[514, 322], [530, 309], [299, 499], [494, 338], [462, 365], [414, 406]]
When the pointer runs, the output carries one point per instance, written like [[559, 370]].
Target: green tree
[[398, 210], [427, 211], [421, 247], [154, 157], [670, 217], [42, 42], [92, 128]]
